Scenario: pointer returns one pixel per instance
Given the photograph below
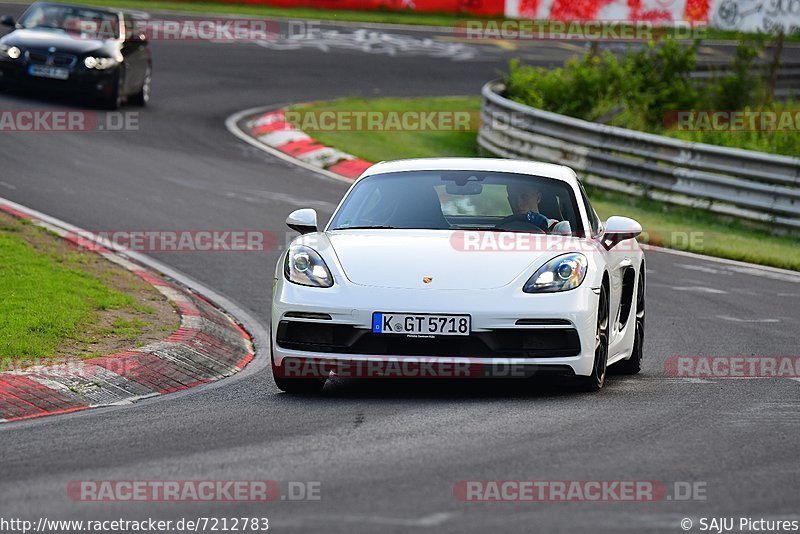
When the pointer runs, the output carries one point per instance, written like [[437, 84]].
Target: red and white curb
[[208, 345], [268, 130]]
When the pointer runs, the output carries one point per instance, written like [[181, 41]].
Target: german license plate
[[420, 324], [46, 71]]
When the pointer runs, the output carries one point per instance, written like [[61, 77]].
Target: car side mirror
[[303, 221], [8, 20], [619, 229]]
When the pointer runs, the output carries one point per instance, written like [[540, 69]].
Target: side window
[[594, 221]]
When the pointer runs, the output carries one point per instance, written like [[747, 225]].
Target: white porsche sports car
[[459, 267]]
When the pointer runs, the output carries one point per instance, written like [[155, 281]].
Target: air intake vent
[[308, 315], [543, 322]]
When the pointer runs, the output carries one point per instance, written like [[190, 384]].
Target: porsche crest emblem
[[427, 279]]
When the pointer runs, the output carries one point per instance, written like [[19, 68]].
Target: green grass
[[785, 141], [338, 15], [675, 227], [379, 146], [119, 328], [45, 299]]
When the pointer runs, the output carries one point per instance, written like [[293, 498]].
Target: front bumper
[[513, 333], [80, 82]]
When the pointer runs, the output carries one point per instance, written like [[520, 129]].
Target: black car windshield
[[476, 200], [83, 22]]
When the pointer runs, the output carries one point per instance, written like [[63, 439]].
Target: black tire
[[142, 98], [633, 365], [296, 385], [595, 381]]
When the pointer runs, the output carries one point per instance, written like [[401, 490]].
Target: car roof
[[534, 168]]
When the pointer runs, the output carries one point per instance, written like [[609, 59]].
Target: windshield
[[83, 22], [452, 200]]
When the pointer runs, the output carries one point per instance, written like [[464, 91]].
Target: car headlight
[[10, 52], [99, 63], [562, 273], [304, 266]]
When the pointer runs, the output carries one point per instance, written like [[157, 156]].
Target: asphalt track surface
[[387, 455]]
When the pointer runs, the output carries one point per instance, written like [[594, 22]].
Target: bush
[[641, 88], [741, 88], [573, 90], [658, 80]]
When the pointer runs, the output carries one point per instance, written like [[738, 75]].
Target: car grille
[[498, 343], [57, 59]]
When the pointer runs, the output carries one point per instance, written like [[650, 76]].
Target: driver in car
[[524, 199]]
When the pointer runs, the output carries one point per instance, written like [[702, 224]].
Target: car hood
[[43, 38], [402, 258]]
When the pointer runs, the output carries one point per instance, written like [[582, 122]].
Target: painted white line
[[231, 123], [769, 274], [702, 269], [737, 320], [674, 380], [700, 289], [431, 520], [793, 275]]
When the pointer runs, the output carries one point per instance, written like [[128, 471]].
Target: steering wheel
[[518, 223]]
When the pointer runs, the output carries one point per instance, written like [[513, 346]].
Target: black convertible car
[[77, 49]]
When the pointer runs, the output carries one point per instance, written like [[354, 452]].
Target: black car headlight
[[10, 52], [304, 266], [99, 63], [562, 273]]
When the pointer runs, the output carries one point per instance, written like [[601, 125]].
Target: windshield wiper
[[499, 230], [50, 27], [367, 227], [490, 229]]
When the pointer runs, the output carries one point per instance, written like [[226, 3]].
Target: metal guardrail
[[744, 183]]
